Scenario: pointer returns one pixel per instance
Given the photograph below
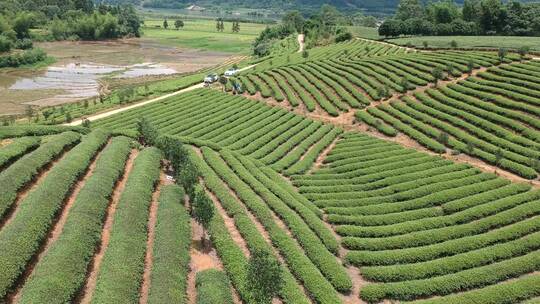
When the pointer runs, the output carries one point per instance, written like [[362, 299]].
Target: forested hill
[[370, 6]]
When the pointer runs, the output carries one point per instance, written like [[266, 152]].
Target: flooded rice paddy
[[82, 70]]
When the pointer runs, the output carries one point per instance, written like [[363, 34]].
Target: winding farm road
[[301, 38], [140, 104]]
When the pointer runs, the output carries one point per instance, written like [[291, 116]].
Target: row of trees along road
[[264, 273]]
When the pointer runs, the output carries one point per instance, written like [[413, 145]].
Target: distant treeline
[[475, 17], [64, 19]]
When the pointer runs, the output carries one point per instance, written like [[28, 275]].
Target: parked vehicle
[[211, 78], [231, 72]]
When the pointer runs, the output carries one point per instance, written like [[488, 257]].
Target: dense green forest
[[474, 17], [23, 22], [328, 25]]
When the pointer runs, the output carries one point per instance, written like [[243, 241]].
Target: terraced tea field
[[362, 187]]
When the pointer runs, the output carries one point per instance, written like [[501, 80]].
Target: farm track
[[57, 227], [140, 104], [301, 40], [93, 270]]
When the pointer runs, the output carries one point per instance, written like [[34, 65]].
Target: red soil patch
[[203, 257], [152, 219], [91, 280]]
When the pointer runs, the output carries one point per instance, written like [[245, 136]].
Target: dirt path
[[301, 40], [56, 230], [29, 187], [320, 159], [148, 259], [140, 104], [422, 89], [203, 257], [91, 280]]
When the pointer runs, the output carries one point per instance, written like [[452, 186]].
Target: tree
[[470, 66], [305, 54], [173, 150], [236, 26], [148, 133], [453, 44], [408, 9], [219, 25], [22, 24], [437, 74], [498, 156], [443, 138], [265, 278], [223, 81], [188, 177], [178, 24], [68, 117], [85, 123], [502, 54], [294, 21], [391, 28], [450, 68], [470, 147], [202, 209], [165, 24], [425, 43], [470, 10], [405, 84], [523, 51]]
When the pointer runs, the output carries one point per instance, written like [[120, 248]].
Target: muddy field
[[82, 69]]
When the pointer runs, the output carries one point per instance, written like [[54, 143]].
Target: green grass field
[[202, 34], [473, 41], [364, 32]]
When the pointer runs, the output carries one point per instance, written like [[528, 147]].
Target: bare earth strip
[[58, 226], [320, 159], [90, 286], [152, 219]]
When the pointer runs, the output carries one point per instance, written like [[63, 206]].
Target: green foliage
[[16, 149], [36, 130], [20, 173], [120, 276], [213, 287], [62, 271], [170, 264], [445, 18], [147, 131], [22, 237], [264, 277], [202, 208]]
